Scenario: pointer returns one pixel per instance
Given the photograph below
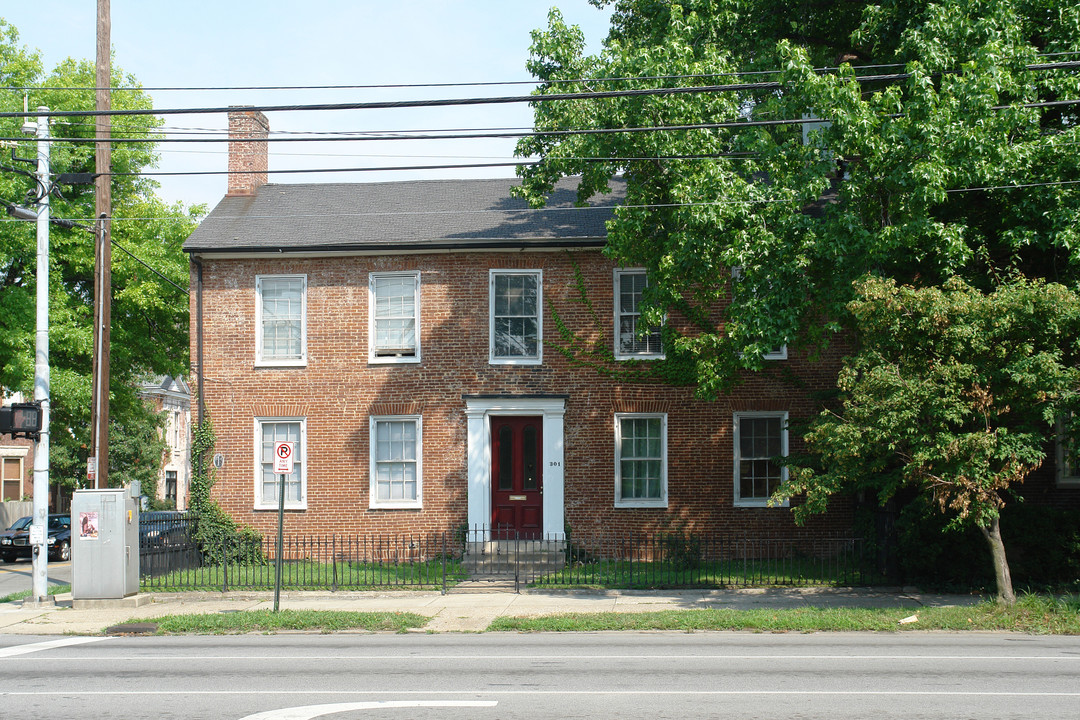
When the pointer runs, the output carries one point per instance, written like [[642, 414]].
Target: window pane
[[515, 323], [395, 314], [641, 461], [282, 317], [631, 287], [529, 452]]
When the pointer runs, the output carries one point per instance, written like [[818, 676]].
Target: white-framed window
[[641, 460], [281, 320], [396, 470], [516, 317], [394, 317], [269, 430], [1068, 459], [778, 352], [630, 343], [760, 438]]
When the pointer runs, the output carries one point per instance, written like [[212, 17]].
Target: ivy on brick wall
[[677, 368], [219, 536]]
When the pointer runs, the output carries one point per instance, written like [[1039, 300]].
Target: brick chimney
[[248, 154]]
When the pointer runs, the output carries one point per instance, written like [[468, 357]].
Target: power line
[[563, 209], [495, 83]]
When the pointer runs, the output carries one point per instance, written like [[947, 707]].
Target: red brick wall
[[338, 390]]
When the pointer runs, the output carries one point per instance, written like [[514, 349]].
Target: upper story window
[[516, 320], [640, 460], [777, 352], [395, 462], [760, 438], [281, 320], [269, 431], [393, 329], [632, 339]]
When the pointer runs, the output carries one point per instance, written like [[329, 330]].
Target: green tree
[[149, 315], [900, 182], [951, 393]]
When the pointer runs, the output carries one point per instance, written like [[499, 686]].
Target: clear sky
[[234, 43]]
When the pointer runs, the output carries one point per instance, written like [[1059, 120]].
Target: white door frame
[[477, 411]]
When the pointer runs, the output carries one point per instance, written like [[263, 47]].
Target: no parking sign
[[284, 453]]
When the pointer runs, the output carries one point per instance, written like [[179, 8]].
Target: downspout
[[199, 333]]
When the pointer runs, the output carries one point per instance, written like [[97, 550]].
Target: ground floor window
[[640, 460], [760, 439], [269, 431], [395, 462], [170, 485]]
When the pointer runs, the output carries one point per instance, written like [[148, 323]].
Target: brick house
[[410, 337]]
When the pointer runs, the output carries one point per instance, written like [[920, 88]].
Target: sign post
[[284, 453]]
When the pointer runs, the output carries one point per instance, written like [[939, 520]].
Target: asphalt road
[[509, 675], [16, 576]]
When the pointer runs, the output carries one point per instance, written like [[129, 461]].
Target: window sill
[[639, 504], [387, 505], [288, 506], [515, 361], [281, 363], [407, 360], [642, 356], [758, 504]]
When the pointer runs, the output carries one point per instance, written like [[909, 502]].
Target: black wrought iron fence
[[172, 559]]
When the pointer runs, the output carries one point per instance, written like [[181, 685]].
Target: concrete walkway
[[457, 611]]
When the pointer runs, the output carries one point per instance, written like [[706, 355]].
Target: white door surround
[[478, 408]]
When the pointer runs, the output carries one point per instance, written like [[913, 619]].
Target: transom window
[[267, 483], [281, 322], [516, 322], [640, 460], [395, 310], [395, 462], [760, 438], [632, 339]]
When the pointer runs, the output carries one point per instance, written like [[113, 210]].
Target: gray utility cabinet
[[105, 543]]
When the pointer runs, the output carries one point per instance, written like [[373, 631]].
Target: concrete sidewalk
[[457, 611]]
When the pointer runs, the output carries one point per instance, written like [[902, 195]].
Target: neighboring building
[[407, 336], [173, 397]]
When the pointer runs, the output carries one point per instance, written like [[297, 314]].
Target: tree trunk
[[1005, 594]]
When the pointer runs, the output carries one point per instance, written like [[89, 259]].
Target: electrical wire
[[491, 83]]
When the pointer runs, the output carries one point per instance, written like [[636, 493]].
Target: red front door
[[517, 485]]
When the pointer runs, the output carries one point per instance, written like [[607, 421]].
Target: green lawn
[[308, 575], [625, 574], [1036, 614], [267, 621]]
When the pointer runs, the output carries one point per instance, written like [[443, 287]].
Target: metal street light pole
[[41, 368]]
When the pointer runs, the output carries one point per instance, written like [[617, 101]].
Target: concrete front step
[[524, 558]]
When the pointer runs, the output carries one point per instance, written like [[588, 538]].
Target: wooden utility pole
[[99, 452]]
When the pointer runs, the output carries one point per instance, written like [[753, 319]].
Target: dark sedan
[[15, 542]]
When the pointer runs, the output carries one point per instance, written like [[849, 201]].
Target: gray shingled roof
[[425, 214]]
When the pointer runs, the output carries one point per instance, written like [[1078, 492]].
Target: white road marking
[[533, 658], [487, 691], [313, 711], [47, 645]]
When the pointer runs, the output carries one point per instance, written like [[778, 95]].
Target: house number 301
[[554, 463]]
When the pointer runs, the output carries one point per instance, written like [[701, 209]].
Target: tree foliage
[[951, 392], [149, 315], [890, 186], [927, 143]]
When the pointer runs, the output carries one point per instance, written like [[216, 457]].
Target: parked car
[[162, 528], [15, 541]]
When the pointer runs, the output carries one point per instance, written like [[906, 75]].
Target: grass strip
[[1032, 614], [267, 621], [23, 594]]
